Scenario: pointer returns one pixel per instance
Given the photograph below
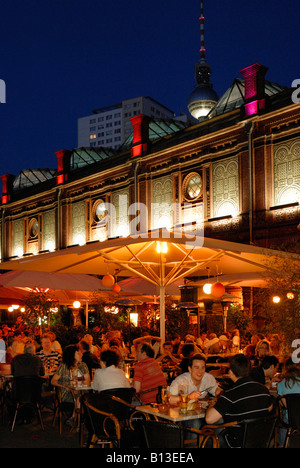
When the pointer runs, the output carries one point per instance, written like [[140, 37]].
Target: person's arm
[[212, 416], [137, 385], [55, 379]]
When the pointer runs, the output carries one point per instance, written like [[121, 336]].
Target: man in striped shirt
[[246, 399], [148, 375]]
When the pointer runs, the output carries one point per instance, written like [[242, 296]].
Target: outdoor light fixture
[[290, 296], [207, 288], [161, 247], [76, 304], [276, 299]]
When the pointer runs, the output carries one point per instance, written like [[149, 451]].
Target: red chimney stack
[[254, 77], [140, 124]]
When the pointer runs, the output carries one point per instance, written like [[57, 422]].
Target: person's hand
[[195, 395]]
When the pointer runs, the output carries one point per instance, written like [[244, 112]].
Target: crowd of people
[[253, 367]]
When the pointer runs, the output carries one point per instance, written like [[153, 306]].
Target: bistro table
[[173, 414]]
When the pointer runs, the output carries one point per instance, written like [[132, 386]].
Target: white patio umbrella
[[159, 257]]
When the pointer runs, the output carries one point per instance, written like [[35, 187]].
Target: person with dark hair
[[246, 399], [198, 382], [89, 358], [71, 365], [109, 375], [147, 373], [187, 351], [267, 369]]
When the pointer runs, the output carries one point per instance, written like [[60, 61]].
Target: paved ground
[[32, 436]]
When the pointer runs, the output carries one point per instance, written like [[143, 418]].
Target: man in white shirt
[[198, 382]]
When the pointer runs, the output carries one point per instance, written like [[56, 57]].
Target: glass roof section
[[82, 157], [30, 177], [233, 98], [158, 129]]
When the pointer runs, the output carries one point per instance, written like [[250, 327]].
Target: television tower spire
[[203, 98], [202, 21]]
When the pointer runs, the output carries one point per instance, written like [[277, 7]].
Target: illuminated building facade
[[237, 172]]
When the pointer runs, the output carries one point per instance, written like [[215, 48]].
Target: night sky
[[60, 59]]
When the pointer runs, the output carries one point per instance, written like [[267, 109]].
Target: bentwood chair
[[289, 418], [27, 395], [159, 434], [65, 407], [249, 433], [111, 421]]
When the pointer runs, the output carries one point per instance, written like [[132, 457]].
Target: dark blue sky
[[62, 58]]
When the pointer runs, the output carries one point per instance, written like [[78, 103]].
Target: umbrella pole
[[162, 315], [86, 315]]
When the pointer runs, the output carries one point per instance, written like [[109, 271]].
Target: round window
[[33, 228], [192, 186], [100, 211]]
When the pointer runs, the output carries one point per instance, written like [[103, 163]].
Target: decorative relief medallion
[[287, 173]]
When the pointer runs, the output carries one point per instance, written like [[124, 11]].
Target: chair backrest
[[293, 410], [125, 394], [258, 433], [99, 420], [111, 402], [28, 389], [162, 435]]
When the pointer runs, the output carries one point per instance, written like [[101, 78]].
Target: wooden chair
[[249, 433], [110, 421], [65, 408]]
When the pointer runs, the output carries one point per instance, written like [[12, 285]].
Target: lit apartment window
[[93, 136]]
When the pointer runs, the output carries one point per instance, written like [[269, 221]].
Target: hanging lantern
[[116, 288], [108, 281], [276, 299], [217, 290]]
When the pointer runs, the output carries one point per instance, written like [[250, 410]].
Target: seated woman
[[71, 366], [289, 384], [109, 375]]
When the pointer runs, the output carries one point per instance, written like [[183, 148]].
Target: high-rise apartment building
[[110, 126]]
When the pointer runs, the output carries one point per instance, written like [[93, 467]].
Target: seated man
[[267, 369], [27, 364], [198, 382], [147, 374], [247, 399]]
